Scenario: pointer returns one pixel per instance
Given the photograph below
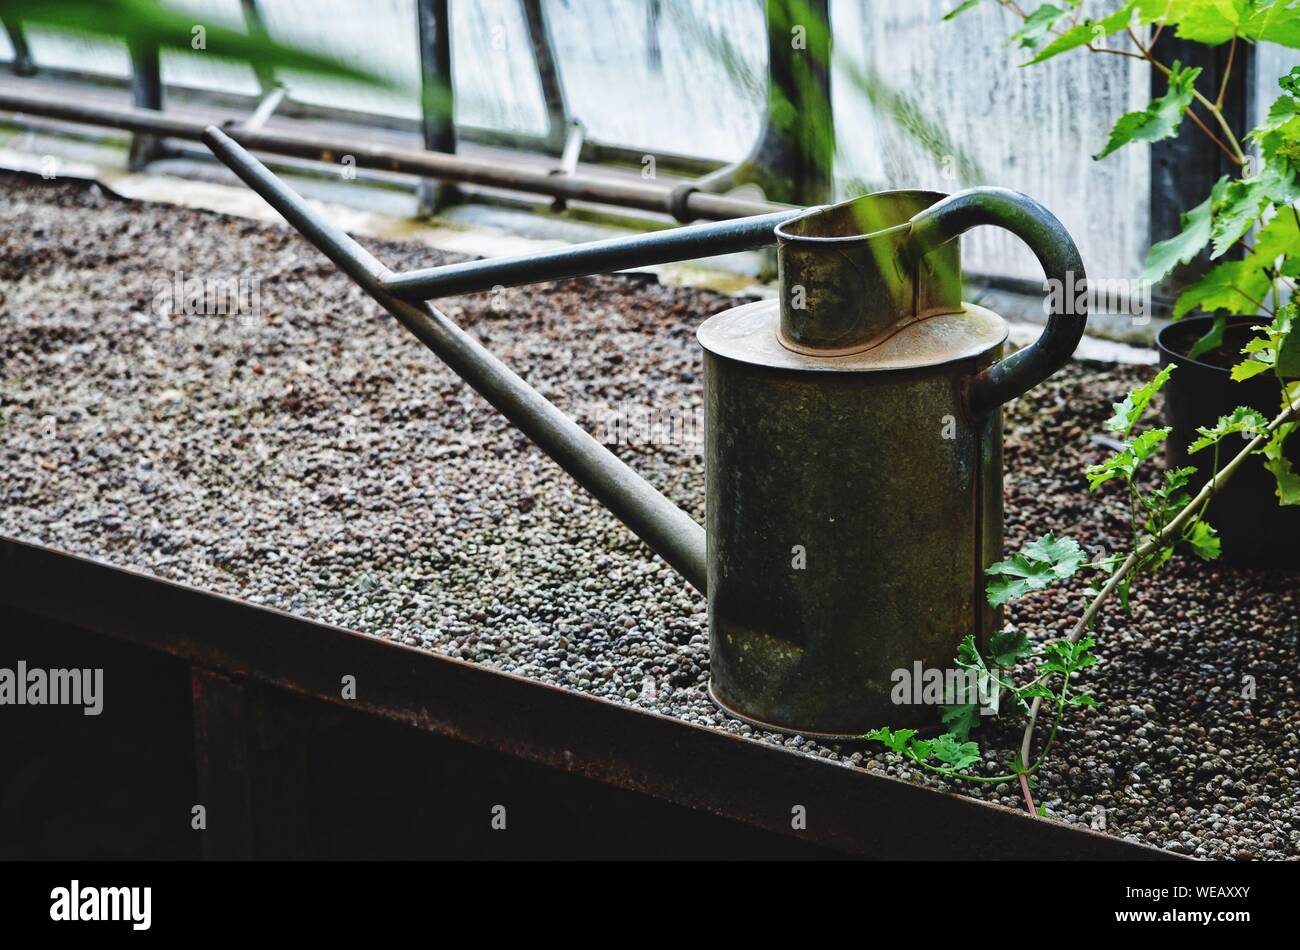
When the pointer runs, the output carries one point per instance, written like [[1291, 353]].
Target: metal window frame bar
[[22, 63], [437, 96], [682, 203]]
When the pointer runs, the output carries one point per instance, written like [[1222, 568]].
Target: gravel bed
[[318, 460]]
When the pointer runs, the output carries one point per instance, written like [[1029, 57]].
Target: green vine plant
[[1160, 519], [1254, 212]]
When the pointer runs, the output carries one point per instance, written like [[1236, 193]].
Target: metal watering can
[[853, 431]]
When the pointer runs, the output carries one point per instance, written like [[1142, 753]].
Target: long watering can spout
[[673, 534]]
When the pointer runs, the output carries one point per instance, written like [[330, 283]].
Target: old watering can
[[853, 431]]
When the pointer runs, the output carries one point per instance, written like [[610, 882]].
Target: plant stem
[[1152, 545], [1029, 799], [1236, 153], [1227, 71]]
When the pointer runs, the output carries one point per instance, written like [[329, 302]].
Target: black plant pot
[[1255, 529]]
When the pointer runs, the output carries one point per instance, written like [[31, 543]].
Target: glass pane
[[198, 69], [1034, 130], [655, 81]]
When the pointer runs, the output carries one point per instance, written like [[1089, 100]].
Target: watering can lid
[[750, 333]]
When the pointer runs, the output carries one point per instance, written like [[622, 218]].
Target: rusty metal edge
[[851, 811]]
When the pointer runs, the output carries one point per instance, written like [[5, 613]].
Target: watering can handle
[[1055, 250]]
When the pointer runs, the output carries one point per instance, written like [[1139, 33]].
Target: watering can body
[[854, 489], [850, 513]]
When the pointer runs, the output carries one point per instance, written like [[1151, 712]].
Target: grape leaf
[[1242, 419], [960, 718], [960, 9], [1161, 119], [1183, 247], [1287, 363], [1035, 567], [955, 753], [1204, 540], [894, 741], [1283, 472], [1273, 22], [1090, 31], [1231, 286], [1211, 339], [1206, 21], [1281, 114], [1263, 351], [1130, 408], [1008, 646], [1037, 27], [1243, 202], [1126, 461]]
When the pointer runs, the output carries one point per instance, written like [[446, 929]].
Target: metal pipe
[[255, 24], [548, 73], [597, 257], [681, 202], [266, 108], [672, 533]]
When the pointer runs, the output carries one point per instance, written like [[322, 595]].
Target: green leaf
[[1036, 566], [1288, 482], [1242, 419], [1161, 119], [148, 23], [1130, 408], [1279, 238], [1122, 591], [1283, 472], [1204, 541], [1290, 83], [1182, 248], [1037, 691], [1037, 27], [1125, 462], [1242, 204], [1272, 22], [1081, 699], [1247, 369], [960, 718], [1217, 21], [1070, 657], [1006, 647], [1145, 445], [1087, 32], [1230, 286], [955, 753], [1065, 553], [968, 655], [1274, 344], [1211, 339], [894, 741], [960, 9], [1169, 498], [1287, 364], [1281, 114], [1206, 21]]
